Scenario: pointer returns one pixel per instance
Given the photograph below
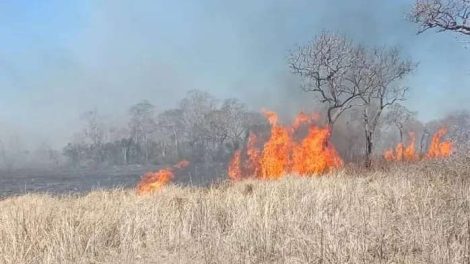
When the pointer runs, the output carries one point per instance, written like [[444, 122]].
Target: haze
[[59, 59]]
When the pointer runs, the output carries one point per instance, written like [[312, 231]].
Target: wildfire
[[281, 154], [439, 148], [275, 156], [155, 180], [234, 169], [315, 154], [403, 152]]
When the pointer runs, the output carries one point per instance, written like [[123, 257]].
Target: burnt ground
[[66, 180]]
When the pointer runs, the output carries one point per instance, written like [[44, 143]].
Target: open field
[[417, 213], [66, 180]]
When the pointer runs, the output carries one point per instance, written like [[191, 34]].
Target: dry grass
[[405, 214]]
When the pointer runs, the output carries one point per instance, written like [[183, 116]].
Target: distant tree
[[445, 15], [196, 108], [380, 82], [230, 121], [142, 125], [94, 130], [93, 134], [171, 134], [119, 147], [458, 126], [77, 154], [328, 67], [210, 130], [398, 116]]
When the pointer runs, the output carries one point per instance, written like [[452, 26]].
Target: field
[[413, 213]]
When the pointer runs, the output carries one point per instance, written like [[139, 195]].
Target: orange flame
[[282, 155], [253, 153], [302, 119], [402, 152], [275, 156], [234, 168], [439, 148], [153, 181], [314, 154]]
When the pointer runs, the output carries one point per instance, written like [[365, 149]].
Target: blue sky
[[61, 58]]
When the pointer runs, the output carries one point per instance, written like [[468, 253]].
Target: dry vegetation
[[418, 213]]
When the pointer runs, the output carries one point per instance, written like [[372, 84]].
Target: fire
[[253, 154], [234, 168], [155, 180], [314, 154], [302, 119], [439, 148], [275, 156], [282, 154], [403, 152]]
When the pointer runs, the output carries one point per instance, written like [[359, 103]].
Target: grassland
[[414, 213]]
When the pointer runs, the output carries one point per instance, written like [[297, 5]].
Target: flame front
[[153, 181], [402, 152], [234, 168], [315, 155], [253, 153], [282, 154], [275, 156], [439, 148]]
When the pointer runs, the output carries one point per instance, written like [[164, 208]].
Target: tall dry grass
[[418, 213]]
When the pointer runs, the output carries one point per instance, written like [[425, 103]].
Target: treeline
[[205, 130], [202, 129]]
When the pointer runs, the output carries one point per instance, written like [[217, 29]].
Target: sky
[[59, 59]]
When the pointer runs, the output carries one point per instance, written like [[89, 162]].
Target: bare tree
[[327, 66], [92, 136], [381, 88], [94, 130], [171, 133], [196, 107], [141, 125], [445, 15], [233, 120], [398, 116], [458, 126]]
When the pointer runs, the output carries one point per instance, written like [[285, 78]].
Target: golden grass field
[[414, 213]]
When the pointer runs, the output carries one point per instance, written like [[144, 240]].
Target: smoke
[[108, 55]]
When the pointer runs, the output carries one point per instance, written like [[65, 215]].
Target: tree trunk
[[401, 135], [177, 152], [368, 134], [369, 147], [331, 117]]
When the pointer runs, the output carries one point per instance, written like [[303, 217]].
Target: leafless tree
[[398, 116], [142, 125], [94, 130], [445, 15], [171, 133], [381, 88], [196, 107], [232, 120], [458, 126], [92, 136], [327, 66], [344, 74]]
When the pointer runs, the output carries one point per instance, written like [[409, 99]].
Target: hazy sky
[[61, 58]]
